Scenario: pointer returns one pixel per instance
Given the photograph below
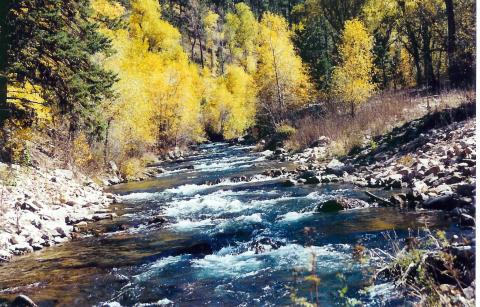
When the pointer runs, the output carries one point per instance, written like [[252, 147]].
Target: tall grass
[[378, 116]]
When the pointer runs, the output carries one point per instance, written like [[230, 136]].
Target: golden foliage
[[131, 168], [281, 78], [82, 155], [231, 102], [352, 79]]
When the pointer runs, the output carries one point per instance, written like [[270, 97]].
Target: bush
[[376, 117], [131, 168], [82, 155]]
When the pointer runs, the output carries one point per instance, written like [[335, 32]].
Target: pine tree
[[51, 44]]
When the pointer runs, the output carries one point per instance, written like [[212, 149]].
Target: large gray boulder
[[337, 168]]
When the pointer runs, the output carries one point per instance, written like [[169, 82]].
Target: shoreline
[[41, 208]]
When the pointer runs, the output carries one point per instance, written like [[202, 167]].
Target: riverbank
[[41, 207], [431, 163]]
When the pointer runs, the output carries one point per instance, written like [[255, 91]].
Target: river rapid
[[224, 243]]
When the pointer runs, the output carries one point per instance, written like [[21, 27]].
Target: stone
[[467, 220], [23, 301], [113, 166], [465, 189], [5, 256], [61, 232], [288, 183], [21, 248], [103, 216], [313, 180], [337, 168], [341, 203], [443, 189], [447, 202], [419, 186], [28, 205], [433, 170], [306, 174], [455, 178], [158, 220], [398, 199], [321, 141], [329, 178]]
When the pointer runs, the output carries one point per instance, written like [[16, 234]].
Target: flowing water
[[225, 243]]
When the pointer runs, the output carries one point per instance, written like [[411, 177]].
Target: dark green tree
[[51, 44]]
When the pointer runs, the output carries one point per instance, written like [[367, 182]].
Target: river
[[225, 243]]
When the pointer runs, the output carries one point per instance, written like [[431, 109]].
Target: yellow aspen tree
[[281, 78], [241, 30], [352, 80], [231, 103], [212, 36]]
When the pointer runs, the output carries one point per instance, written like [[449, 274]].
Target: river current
[[224, 243]]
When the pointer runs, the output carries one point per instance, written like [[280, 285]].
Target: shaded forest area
[[93, 81]]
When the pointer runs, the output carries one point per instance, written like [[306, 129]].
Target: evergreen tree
[[51, 44]]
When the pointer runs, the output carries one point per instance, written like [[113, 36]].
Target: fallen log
[[379, 199]]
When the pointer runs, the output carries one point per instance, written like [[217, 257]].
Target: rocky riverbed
[[41, 207], [432, 162]]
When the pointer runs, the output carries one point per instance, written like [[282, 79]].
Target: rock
[[63, 173], [455, 178], [443, 189], [4, 256], [467, 220], [288, 183], [199, 249], [81, 225], [23, 301], [329, 178], [447, 202], [157, 220], [395, 181], [398, 199], [434, 170], [103, 216], [280, 151], [312, 180], [113, 167], [264, 245], [21, 248], [465, 189], [306, 174], [29, 206], [321, 142], [61, 232], [337, 168], [341, 203]]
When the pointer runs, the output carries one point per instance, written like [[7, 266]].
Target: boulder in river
[[23, 301], [199, 249], [341, 203], [288, 183], [447, 202]]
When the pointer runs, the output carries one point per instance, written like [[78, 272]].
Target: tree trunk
[[415, 52], [105, 143], [201, 51], [451, 44], [352, 109], [4, 110], [427, 57]]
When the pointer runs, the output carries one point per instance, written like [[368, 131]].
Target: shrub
[[131, 168], [82, 155]]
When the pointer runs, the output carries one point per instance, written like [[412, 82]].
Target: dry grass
[[378, 116]]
